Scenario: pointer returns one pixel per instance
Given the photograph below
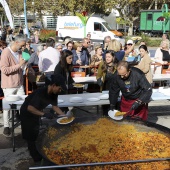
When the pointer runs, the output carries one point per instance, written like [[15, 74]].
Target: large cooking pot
[[45, 140]]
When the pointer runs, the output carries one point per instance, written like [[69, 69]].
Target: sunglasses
[[129, 44]]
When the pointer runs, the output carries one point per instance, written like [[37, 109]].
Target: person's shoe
[[6, 132]]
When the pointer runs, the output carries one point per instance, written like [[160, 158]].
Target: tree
[[129, 9], [16, 7]]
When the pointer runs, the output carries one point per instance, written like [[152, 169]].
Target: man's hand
[[49, 115], [21, 61], [69, 114], [135, 105]]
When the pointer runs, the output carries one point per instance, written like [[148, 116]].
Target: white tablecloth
[[162, 94], [66, 99], [84, 80], [161, 77]]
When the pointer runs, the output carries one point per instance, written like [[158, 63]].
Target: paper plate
[[60, 101], [112, 115], [93, 99], [104, 97], [64, 123], [76, 99]]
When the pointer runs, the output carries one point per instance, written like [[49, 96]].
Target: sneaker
[[6, 132]]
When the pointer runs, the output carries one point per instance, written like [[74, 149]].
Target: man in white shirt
[[48, 59]]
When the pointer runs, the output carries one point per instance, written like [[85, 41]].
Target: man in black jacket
[[136, 91]]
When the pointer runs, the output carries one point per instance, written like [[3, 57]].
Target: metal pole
[[25, 16], [101, 163]]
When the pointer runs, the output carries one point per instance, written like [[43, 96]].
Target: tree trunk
[[156, 3], [41, 18], [130, 30]]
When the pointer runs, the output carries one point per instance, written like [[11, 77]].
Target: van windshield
[[106, 25]]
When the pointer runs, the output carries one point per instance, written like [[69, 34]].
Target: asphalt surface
[[159, 112]]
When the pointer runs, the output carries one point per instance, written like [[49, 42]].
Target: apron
[[29, 125], [140, 113]]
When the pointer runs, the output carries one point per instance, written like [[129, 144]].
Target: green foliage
[[154, 42], [150, 41], [45, 34]]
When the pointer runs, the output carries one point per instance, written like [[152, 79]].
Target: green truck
[[151, 22]]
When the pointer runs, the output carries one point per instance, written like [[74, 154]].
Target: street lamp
[[25, 16]]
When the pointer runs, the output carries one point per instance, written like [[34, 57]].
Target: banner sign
[[8, 12]]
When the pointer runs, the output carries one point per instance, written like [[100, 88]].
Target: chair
[[29, 85], [165, 71], [78, 74]]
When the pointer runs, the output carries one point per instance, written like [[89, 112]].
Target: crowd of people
[[109, 62], [7, 34]]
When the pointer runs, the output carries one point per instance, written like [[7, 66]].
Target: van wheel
[[66, 38]]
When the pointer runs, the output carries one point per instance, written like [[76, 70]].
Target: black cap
[[59, 80]]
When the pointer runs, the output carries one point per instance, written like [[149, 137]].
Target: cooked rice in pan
[[107, 141]]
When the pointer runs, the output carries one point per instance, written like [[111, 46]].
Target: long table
[[161, 77], [160, 94], [93, 80], [66, 103], [83, 80], [66, 99]]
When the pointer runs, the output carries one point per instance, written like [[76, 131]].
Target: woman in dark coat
[[65, 67], [80, 57]]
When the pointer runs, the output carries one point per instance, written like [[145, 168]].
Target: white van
[[71, 26]]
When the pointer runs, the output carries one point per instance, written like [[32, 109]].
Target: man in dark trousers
[[32, 110]]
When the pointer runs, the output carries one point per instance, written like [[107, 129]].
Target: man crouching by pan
[[135, 88]]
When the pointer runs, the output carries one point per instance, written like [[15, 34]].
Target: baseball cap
[[59, 80], [129, 42]]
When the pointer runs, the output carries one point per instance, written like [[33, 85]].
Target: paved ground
[[159, 112]]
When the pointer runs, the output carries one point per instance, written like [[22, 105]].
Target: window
[[98, 27], [51, 22], [149, 16]]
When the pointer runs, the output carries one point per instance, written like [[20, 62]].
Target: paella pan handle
[[102, 163]]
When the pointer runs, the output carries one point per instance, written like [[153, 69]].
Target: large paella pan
[[103, 140]]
